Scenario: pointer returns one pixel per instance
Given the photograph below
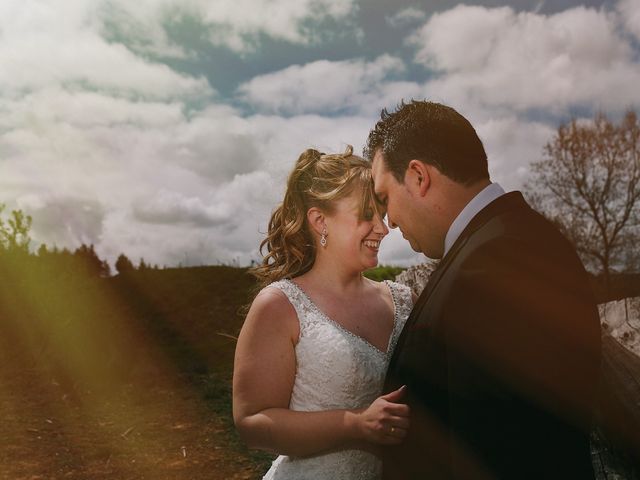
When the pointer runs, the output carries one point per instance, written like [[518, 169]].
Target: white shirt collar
[[477, 203]]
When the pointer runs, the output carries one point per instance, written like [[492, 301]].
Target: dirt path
[[161, 430]]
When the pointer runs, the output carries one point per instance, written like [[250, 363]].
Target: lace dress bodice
[[336, 369]]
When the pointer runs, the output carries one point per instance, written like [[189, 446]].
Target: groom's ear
[[418, 176], [316, 219]]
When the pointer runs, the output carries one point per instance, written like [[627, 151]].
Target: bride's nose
[[379, 226]]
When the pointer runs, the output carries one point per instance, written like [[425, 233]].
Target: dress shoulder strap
[[402, 299], [297, 298]]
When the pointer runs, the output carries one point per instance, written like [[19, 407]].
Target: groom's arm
[[518, 340]]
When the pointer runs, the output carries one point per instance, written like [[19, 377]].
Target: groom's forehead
[[379, 172], [378, 166]]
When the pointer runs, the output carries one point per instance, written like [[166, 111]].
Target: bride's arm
[[264, 371]]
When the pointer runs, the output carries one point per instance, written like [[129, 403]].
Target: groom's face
[[397, 200]]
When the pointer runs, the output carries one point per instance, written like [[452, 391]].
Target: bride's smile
[[372, 244]]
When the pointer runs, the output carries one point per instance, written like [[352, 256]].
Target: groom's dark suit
[[500, 355]]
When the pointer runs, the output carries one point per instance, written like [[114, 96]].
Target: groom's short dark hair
[[432, 133]]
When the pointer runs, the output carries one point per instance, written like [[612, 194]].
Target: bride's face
[[352, 239]]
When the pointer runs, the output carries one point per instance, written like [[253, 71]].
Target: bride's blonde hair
[[317, 180]]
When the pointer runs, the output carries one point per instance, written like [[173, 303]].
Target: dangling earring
[[323, 237]]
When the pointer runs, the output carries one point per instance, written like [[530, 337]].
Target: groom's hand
[[386, 420]]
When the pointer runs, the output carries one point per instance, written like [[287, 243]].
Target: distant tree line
[[14, 248]]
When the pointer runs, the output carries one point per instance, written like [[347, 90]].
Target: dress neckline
[[346, 330]]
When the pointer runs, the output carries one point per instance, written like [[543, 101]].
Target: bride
[[313, 351]]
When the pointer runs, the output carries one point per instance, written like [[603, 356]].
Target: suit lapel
[[433, 281], [502, 204]]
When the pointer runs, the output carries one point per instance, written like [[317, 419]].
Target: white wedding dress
[[336, 369]]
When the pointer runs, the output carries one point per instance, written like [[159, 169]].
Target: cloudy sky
[[165, 128]]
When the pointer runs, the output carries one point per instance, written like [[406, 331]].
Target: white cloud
[[630, 13], [151, 179], [406, 17], [511, 145], [281, 140], [235, 24], [143, 167], [142, 25], [76, 28], [395, 250], [216, 144], [329, 87], [102, 142], [85, 109], [242, 21], [45, 45], [64, 220], [156, 243], [495, 57], [174, 208]]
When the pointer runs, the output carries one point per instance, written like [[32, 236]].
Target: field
[[126, 377]]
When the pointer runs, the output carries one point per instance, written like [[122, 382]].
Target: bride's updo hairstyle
[[317, 180]]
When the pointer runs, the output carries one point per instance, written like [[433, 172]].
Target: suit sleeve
[[518, 352]]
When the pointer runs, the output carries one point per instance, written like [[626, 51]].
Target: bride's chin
[[372, 264]]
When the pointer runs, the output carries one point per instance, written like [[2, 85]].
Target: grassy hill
[[127, 370], [136, 351]]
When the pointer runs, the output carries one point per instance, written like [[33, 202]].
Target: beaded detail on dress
[[336, 369]]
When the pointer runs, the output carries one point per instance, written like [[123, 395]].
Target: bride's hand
[[386, 420]]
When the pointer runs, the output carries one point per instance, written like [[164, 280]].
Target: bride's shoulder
[[271, 312], [272, 300], [273, 295], [282, 291]]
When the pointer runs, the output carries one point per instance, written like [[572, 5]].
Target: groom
[[502, 350]]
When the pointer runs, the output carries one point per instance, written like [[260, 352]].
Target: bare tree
[[589, 184]]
